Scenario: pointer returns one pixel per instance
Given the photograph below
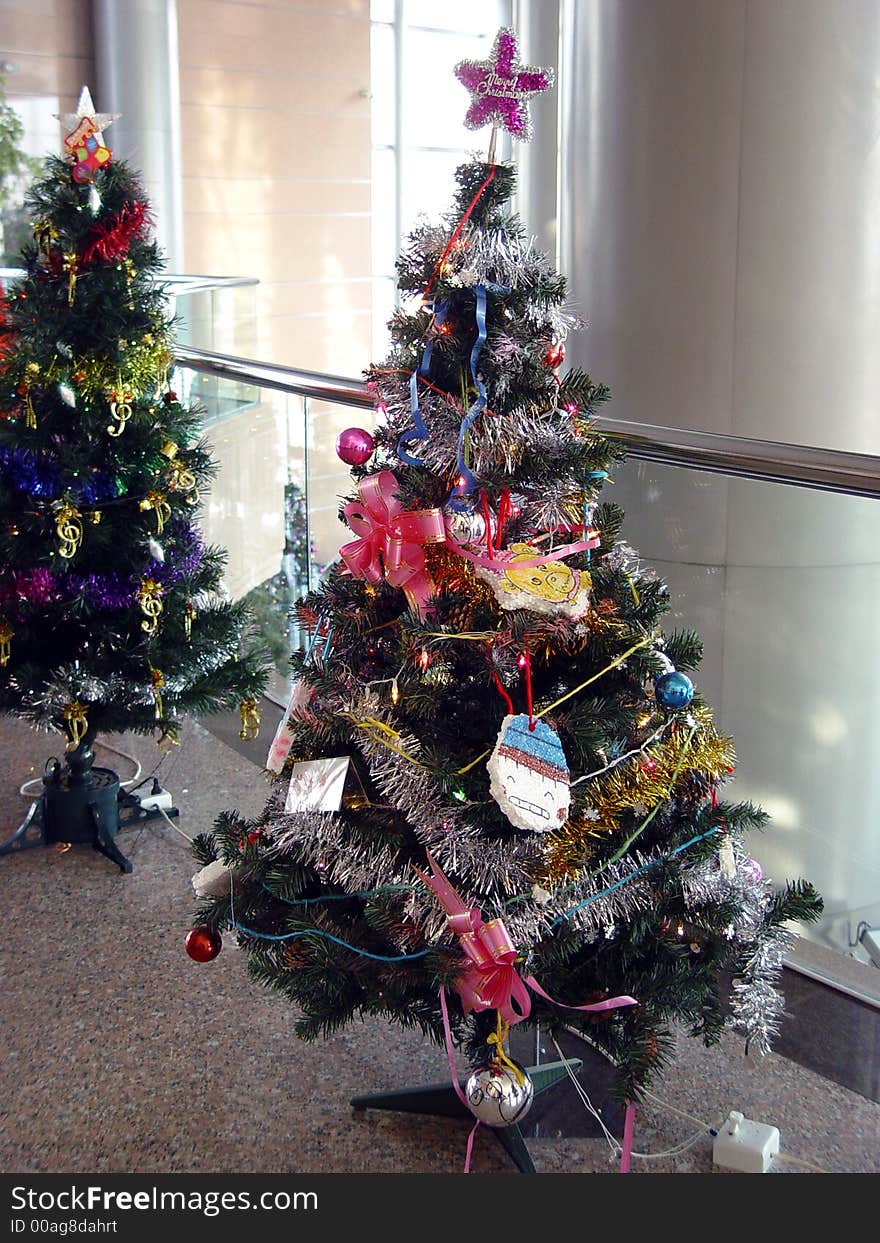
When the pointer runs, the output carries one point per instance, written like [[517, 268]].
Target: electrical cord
[[133, 782], [175, 827], [711, 1129], [614, 1144]]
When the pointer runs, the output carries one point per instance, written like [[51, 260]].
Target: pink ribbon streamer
[[496, 563], [629, 1122], [389, 543], [490, 980], [459, 1091]]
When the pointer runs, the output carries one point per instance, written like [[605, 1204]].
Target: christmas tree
[[111, 617], [530, 830]]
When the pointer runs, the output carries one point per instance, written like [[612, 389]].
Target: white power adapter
[[745, 1146]]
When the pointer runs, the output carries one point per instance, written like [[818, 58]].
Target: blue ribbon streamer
[[603, 893], [318, 932], [419, 429], [593, 474], [459, 499]]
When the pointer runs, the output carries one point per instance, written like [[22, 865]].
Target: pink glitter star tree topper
[[500, 87]]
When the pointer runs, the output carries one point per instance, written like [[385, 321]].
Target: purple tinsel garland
[[20, 588], [37, 476]]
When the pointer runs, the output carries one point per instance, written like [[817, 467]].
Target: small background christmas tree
[[110, 614]]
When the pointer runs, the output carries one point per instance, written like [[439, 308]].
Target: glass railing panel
[[256, 507], [329, 478], [783, 584], [218, 315]]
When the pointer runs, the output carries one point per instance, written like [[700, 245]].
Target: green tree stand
[[441, 1101]]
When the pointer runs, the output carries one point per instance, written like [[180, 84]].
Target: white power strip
[[745, 1146], [156, 800]]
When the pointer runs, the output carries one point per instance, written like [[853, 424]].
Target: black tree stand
[[441, 1101], [81, 803]]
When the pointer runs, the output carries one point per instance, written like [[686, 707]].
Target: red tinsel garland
[[109, 242], [6, 331]]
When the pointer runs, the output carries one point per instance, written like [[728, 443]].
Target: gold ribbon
[[157, 680], [497, 1038], [6, 633], [68, 526], [378, 731], [157, 502], [45, 234], [31, 372], [149, 597], [76, 722], [618, 660], [250, 719], [70, 261]]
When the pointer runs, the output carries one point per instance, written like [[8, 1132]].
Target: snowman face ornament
[[529, 777]]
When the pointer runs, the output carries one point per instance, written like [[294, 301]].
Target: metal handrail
[[830, 470]]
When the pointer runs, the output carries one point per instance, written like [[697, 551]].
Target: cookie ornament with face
[[529, 777], [552, 588]]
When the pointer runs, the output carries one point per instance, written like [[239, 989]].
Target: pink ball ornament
[[355, 446]]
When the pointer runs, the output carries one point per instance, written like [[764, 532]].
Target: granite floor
[[118, 1053]]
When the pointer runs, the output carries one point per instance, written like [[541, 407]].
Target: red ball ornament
[[203, 943], [170, 398], [555, 356], [355, 446]]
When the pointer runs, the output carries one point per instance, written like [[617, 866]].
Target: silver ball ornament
[[497, 1096], [465, 528]]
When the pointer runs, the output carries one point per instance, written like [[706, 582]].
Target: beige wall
[[49, 42], [276, 167]]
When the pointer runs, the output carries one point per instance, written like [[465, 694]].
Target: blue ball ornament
[[674, 690]]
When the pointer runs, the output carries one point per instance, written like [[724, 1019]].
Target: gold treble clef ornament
[[120, 412], [68, 527], [149, 597]]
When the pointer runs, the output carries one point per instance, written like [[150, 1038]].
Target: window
[[418, 131]]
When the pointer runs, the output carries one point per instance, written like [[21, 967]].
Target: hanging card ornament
[[550, 587], [317, 785], [283, 740], [529, 775]]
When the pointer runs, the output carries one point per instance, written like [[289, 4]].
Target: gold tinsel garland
[[645, 781], [145, 362]]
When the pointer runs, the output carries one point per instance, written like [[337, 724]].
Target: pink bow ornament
[[490, 980], [390, 540]]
